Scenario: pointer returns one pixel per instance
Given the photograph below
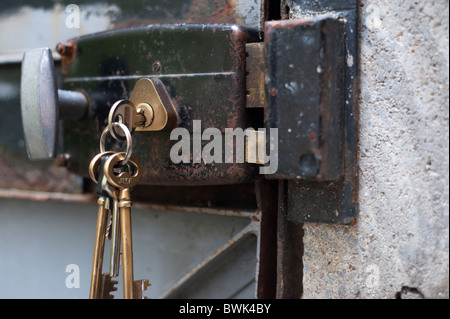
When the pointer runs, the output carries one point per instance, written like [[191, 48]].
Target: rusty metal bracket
[[306, 83], [311, 84]]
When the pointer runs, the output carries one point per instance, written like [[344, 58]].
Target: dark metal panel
[[290, 249], [237, 197], [267, 196], [319, 200], [16, 171], [305, 72], [330, 202]]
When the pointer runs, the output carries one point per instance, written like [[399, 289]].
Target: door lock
[[296, 78], [151, 79]]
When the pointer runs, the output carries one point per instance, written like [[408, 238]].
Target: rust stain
[[285, 24], [238, 53], [223, 12], [48, 196], [313, 137], [18, 174], [290, 23], [67, 50], [199, 11], [273, 92]]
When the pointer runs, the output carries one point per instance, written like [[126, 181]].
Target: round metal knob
[[43, 105]]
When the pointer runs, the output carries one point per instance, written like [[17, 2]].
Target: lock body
[[205, 80], [202, 68]]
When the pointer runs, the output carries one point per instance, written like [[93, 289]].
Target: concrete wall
[[400, 246]]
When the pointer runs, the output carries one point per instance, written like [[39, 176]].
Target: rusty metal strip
[[90, 199], [196, 210], [47, 196], [290, 251], [267, 197], [313, 100]]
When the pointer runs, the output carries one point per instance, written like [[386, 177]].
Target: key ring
[[127, 136]]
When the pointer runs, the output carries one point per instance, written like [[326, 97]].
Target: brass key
[[115, 176], [115, 235], [102, 285], [122, 182]]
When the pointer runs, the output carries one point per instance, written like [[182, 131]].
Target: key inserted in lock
[[148, 109], [205, 83]]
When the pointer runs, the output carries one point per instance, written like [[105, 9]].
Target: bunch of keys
[[115, 174]]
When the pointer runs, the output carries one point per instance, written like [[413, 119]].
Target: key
[[116, 174], [99, 246], [139, 287], [95, 165], [113, 229], [124, 112], [98, 281], [108, 286], [114, 262], [123, 182]]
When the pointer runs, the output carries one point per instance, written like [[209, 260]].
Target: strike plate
[[312, 99]]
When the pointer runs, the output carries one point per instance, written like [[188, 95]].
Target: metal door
[[191, 242], [200, 238]]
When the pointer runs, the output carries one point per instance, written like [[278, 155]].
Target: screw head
[[157, 67], [62, 160], [64, 49]]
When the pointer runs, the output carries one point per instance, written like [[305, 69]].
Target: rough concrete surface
[[400, 246]]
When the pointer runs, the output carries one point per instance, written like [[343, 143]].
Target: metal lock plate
[[312, 98], [203, 70]]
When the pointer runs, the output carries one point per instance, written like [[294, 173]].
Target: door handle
[[43, 105]]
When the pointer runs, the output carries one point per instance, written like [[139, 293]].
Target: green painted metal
[[203, 69], [26, 30]]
